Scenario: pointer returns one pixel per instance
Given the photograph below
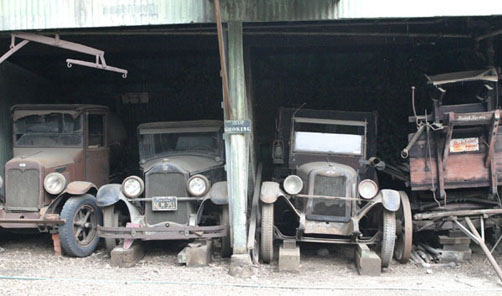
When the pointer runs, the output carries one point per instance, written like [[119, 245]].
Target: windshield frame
[[329, 122], [77, 115], [182, 130]]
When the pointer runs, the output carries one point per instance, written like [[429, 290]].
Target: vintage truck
[[455, 160], [61, 157], [182, 194], [325, 187]]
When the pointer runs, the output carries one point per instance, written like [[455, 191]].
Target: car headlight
[[367, 189], [293, 184], [54, 183], [198, 185], [133, 186]]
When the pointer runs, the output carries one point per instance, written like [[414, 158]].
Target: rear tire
[[388, 237], [79, 234], [267, 233]]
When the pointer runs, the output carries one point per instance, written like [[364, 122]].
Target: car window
[[48, 130], [175, 143], [96, 137]]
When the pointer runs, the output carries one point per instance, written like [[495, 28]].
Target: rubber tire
[[402, 248], [68, 243], [388, 237], [267, 233], [226, 247], [110, 219]]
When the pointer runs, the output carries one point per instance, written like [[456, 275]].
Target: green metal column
[[239, 157]]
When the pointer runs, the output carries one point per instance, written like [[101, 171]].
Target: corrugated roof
[[54, 14]]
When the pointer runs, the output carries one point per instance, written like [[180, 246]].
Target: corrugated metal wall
[[51, 14]]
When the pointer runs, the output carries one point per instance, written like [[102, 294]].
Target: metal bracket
[[57, 42]]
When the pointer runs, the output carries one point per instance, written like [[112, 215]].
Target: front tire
[[226, 248], [79, 234], [110, 219], [388, 237], [267, 233]]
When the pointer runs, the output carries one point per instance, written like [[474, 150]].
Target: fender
[[81, 187], [270, 191], [110, 194], [75, 188], [391, 200], [218, 193]]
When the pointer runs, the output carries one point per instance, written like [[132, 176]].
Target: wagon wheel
[[226, 248], [110, 219], [267, 233], [404, 231], [388, 237]]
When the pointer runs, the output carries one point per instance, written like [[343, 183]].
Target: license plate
[[464, 145], [164, 203]]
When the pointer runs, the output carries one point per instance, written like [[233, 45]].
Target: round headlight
[[293, 184], [367, 189], [133, 186], [54, 183], [198, 185]]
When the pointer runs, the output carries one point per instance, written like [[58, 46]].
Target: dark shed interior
[[362, 65]]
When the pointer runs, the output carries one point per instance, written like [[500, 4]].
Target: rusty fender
[[391, 200], [270, 191]]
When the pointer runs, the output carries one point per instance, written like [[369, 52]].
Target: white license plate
[[464, 145], [164, 203]]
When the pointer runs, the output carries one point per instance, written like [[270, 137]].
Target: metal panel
[[42, 14]]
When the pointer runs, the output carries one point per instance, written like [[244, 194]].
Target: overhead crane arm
[[100, 62]]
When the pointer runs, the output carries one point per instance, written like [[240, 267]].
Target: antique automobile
[[455, 161], [326, 188], [182, 194], [61, 156]]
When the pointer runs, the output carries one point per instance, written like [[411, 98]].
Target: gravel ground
[[28, 267]]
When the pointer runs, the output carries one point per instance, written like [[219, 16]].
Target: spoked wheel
[[388, 237], [226, 247], [267, 233], [111, 219], [404, 231], [79, 233]]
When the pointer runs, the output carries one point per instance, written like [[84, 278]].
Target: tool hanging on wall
[[57, 42]]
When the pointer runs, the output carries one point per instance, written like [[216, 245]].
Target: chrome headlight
[[293, 184], [133, 186], [367, 189], [198, 185], [54, 183]]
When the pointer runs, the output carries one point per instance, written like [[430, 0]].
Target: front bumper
[[171, 232], [28, 220]]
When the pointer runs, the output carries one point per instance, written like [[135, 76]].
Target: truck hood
[[189, 163], [47, 157]]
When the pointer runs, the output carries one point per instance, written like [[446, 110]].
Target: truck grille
[[22, 190], [329, 209], [166, 184]]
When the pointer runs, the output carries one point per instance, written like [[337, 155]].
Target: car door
[[97, 152]]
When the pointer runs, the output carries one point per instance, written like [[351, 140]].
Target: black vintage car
[[325, 187], [182, 194]]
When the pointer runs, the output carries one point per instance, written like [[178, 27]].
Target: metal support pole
[[238, 148]]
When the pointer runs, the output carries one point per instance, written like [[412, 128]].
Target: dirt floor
[[28, 267]]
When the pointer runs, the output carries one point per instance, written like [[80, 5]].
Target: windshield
[[48, 130], [329, 138], [152, 145]]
